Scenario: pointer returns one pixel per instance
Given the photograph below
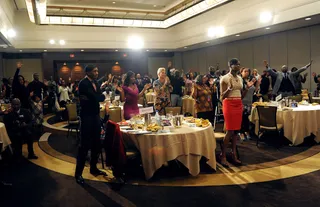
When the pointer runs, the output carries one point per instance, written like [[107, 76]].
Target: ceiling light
[[216, 31], [165, 50], [44, 50], [135, 42], [185, 47], [265, 17], [62, 42], [237, 35], [268, 28], [307, 19], [82, 50], [11, 33], [20, 50], [113, 2], [52, 42], [207, 42], [116, 50]]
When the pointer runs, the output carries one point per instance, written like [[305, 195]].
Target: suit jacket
[[279, 76], [90, 98], [13, 122]]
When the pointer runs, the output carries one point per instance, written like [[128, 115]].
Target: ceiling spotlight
[[20, 50], [216, 31], [11, 33], [165, 50], [185, 47], [265, 17], [135, 42], [44, 50], [147, 50], [237, 35], [52, 42], [82, 50], [116, 50], [113, 2], [268, 28], [62, 42], [307, 19]]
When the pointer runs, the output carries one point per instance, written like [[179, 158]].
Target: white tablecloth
[[298, 123], [4, 138], [185, 144]]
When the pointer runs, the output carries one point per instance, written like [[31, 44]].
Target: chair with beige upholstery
[[268, 121], [73, 118], [115, 114], [175, 110], [141, 101], [188, 105]]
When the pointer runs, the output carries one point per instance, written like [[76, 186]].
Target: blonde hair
[[160, 70], [255, 70]]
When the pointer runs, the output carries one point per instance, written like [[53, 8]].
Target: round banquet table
[[185, 144], [298, 122], [4, 138]]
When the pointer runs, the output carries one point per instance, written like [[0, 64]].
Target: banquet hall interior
[[159, 103]]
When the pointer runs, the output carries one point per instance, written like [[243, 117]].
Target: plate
[[125, 127], [139, 132]]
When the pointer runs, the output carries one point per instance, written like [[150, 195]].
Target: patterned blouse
[[162, 99], [202, 95]]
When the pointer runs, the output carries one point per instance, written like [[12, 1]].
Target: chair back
[[175, 110], [115, 114], [72, 112], [297, 98], [267, 116], [141, 101], [188, 106]]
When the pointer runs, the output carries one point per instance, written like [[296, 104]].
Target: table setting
[[165, 138]]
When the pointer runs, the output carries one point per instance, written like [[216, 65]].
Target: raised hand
[[309, 64], [19, 65], [266, 64], [147, 86]]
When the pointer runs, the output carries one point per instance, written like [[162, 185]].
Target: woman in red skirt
[[232, 91]]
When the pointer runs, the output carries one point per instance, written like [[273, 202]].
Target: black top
[[20, 91], [14, 120], [177, 83], [264, 86], [36, 87], [90, 98]]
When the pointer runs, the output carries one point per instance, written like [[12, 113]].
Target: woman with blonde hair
[[162, 89], [255, 74]]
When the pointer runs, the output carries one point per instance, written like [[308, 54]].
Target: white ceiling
[[240, 16], [161, 5]]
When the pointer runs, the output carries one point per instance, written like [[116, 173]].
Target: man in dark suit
[[90, 96], [19, 127], [37, 87]]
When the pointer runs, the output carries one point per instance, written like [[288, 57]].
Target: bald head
[[15, 104], [284, 68]]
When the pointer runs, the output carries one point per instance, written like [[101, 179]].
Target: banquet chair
[[297, 98], [175, 110], [141, 101], [115, 114], [73, 119], [268, 121]]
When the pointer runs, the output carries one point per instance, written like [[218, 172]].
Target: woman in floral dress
[[162, 89]]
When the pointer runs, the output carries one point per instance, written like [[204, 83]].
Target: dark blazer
[[36, 87], [90, 98], [13, 122], [20, 91]]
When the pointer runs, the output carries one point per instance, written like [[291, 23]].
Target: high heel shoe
[[235, 160], [224, 163]]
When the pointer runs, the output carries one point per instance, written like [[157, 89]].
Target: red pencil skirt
[[232, 112]]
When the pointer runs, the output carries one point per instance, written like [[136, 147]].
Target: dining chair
[[268, 121], [115, 114], [174, 110], [73, 119]]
